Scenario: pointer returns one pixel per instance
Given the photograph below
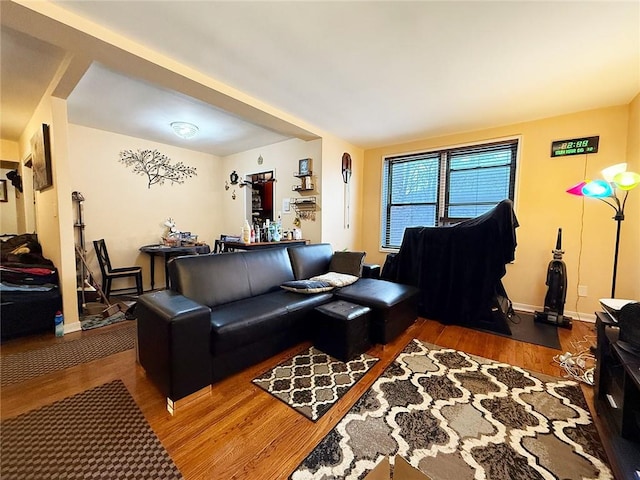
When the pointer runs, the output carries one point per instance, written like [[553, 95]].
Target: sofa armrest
[[173, 342]]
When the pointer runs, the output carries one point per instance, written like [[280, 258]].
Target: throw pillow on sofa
[[347, 262], [307, 286], [336, 279]]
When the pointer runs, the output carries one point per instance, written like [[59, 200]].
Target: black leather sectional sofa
[[225, 312]]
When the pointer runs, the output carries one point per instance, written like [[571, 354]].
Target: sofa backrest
[[217, 279], [310, 260]]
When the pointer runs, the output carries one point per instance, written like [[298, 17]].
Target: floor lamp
[[615, 177]]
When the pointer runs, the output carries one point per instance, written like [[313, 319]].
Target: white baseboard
[[72, 327], [585, 317]]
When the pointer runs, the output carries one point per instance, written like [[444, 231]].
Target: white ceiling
[[26, 68], [372, 73], [114, 102]]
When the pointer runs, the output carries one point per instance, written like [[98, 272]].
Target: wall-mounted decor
[[16, 179], [304, 166], [3, 191], [575, 146], [346, 176], [41, 158], [156, 166]]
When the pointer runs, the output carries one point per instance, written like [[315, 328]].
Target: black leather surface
[[253, 319], [310, 260], [173, 341], [232, 361], [376, 293], [267, 269], [342, 329], [394, 306], [218, 279]]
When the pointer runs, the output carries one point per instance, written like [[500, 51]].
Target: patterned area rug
[[97, 434], [23, 366], [89, 322], [457, 416], [312, 381]]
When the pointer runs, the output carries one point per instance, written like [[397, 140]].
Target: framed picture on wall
[[304, 166], [3, 191], [41, 159]]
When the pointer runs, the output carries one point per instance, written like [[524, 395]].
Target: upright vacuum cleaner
[[557, 292]]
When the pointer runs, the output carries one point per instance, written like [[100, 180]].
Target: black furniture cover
[[458, 269]]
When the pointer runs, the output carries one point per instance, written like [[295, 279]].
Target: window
[[443, 187]]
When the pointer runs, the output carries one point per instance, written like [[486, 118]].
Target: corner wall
[[631, 229], [120, 207], [282, 158], [542, 206]]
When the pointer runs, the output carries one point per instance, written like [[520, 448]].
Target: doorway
[[260, 197]]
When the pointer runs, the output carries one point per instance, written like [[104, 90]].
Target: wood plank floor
[[240, 431]]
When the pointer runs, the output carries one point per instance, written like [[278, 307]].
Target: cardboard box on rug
[[402, 470]]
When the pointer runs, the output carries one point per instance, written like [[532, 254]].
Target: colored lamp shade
[[626, 180], [597, 189], [577, 189], [610, 172]]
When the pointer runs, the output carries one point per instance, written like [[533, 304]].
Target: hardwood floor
[[240, 431]]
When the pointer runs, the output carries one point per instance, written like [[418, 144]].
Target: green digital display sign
[[575, 146]]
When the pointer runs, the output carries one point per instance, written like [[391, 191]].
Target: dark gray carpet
[[523, 328], [97, 434], [23, 366]]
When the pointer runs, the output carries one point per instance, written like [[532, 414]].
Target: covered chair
[[459, 268], [109, 273]]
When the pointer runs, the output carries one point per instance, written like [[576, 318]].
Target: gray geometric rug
[[312, 381], [97, 434], [457, 416], [23, 366]]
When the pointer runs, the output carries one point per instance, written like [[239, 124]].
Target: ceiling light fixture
[[184, 129]]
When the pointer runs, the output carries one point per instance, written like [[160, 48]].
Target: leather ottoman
[[393, 306], [342, 329]]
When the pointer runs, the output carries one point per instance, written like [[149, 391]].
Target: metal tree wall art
[[156, 166]]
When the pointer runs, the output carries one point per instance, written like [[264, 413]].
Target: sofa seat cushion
[[248, 320], [376, 293], [306, 303]]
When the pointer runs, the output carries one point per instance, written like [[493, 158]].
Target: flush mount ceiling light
[[184, 129]]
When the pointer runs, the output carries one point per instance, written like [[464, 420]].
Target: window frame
[[444, 171]]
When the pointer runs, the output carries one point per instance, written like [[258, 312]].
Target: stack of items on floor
[[29, 286]]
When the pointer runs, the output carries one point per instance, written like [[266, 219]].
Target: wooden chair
[[109, 273]]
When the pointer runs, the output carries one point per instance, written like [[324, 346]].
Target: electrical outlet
[[583, 291]]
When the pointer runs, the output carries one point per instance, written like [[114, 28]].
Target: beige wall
[[542, 206], [120, 207], [282, 158], [53, 224], [335, 230], [630, 248], [8, 209]]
